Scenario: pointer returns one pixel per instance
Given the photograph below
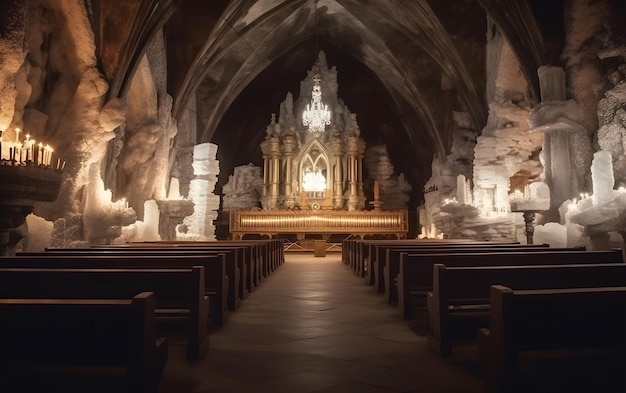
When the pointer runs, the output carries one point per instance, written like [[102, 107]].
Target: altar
[[326, 223], [312, 175]]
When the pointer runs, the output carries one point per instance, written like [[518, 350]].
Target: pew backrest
[[415, 278], [55, 334], [417, 269], [179, 294], [461, 294], [215, 278], [582, 322]]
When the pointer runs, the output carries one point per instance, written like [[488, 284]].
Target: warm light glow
[[313, 181], [448, 201], [26, 152], [243, 222], [316, 115]]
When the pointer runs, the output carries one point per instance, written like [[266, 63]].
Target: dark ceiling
[[240, 58]]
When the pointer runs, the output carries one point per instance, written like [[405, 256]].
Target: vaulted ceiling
[[403, 66]]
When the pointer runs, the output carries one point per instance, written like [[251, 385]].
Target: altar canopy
[[313, 170], [313, 151]]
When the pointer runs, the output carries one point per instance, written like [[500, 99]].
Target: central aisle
[[312, 326]]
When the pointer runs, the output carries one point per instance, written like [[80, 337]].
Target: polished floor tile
[[314, 327]]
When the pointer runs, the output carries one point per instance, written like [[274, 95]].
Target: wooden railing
[[358, 223]]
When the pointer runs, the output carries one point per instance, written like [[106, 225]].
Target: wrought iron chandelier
[[316, 115]]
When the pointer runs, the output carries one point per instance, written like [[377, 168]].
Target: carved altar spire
[[292, 153]]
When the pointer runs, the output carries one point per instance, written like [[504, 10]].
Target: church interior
[[342, 191]]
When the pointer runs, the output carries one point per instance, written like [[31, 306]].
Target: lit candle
[[50, 150], [40, 155], [17, 135], [31, 148]]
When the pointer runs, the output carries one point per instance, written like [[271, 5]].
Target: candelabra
[[22, 186], [534, 199]]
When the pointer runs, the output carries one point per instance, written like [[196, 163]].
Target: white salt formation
[[566, 146], [602, 178], [199, 226], [244, 188], [103, 218]]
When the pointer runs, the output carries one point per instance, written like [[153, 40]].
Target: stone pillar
[[275, 171], [355, 149], [359, 171], [566, 147], [336, 150], [267, 171], [289, 151]]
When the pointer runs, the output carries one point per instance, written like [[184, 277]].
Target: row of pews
[[92, 316], [513, 301]]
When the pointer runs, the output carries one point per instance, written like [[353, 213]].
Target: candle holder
[[21, 187], [529, 222], [534, 199]]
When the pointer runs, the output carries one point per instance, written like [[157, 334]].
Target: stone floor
[[313, 326]]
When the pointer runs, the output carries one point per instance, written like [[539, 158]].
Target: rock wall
[[52, 90], [394, 189], [143, 165], [244, 188], [504, 149]]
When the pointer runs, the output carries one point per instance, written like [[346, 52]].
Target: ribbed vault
[[404, 66], [401, 50]]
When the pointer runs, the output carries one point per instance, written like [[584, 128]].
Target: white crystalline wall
[[592, 112], [128, 138], [503, 148]]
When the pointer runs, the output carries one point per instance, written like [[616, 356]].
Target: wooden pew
[[47, 340], [364, 249], [387, 257], [264, 254], [588, 324], [215, 279], [270, 251], [236, 269], [459, 302], [250, 255], [391, 267], [349, 250], [415, 279], [179, 293]]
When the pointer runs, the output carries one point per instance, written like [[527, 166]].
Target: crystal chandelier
[[316, 115]]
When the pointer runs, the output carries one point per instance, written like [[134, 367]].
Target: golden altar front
[[324, 222]]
